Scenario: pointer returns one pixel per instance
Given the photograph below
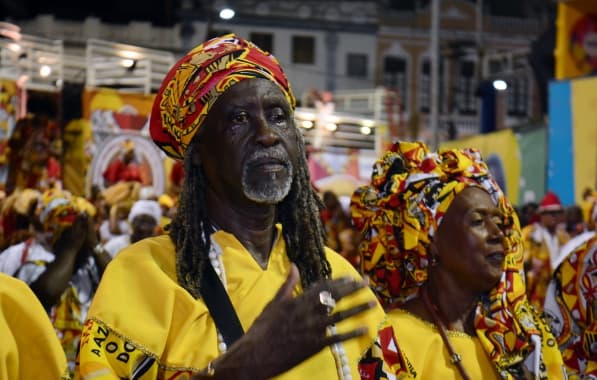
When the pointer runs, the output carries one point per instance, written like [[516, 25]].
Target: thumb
[[285, 291]]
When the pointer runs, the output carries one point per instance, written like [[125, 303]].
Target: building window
[[356, 65], [395, 77], [517, 96], [425, 86], [264, 40], [466, 101], [303, 49]]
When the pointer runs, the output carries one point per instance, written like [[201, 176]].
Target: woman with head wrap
[[60, 264], [442, 252]]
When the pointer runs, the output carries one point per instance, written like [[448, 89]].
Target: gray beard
[[276, 188]]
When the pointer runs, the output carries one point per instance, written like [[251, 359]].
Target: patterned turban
[[398, 214], [58, 211], [195, 82]]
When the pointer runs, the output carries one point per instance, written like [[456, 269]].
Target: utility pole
[[434, 57], [479, 72], [209, 6]]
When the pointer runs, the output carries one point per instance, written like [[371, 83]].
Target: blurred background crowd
[[80, 179]]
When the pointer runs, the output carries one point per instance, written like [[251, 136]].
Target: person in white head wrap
[[144, 218]]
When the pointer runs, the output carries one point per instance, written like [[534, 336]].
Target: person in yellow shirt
[[60, 264], [542, 243], [441, 247], [242, 286], [29, 348], [571, 307]]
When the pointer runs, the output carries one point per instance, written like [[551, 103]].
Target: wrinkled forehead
[[246, 93]]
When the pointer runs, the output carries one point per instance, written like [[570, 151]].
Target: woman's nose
[[495, 230]]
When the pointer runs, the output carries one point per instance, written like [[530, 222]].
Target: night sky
[[160, 12], [163, 12]]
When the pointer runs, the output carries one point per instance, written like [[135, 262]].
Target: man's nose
[[266, 135]]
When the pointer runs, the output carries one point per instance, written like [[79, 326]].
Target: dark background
[[165, 12]]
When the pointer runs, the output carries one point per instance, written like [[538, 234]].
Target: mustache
[[276, 152]]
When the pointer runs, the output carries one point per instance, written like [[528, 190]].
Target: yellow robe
[[141, 318], [537, 259], [423, 347], [29, 348]]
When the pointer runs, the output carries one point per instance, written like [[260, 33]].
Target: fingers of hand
[[345, 314], [337, 338], [340, 287]]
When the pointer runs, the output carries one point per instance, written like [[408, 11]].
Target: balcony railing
[[382, 106], [36, 63], [126, 67]]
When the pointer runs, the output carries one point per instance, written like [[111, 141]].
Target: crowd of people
[[247, 272]]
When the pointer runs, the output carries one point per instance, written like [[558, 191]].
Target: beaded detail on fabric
[[340, 357], [215, 258]]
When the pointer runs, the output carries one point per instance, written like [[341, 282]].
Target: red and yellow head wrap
[[57, 211], [400, 211], [195, 82], [398, 214]]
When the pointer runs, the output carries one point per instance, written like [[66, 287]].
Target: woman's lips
[[497, 257]]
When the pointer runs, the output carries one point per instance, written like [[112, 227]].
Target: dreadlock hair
[[298, 213]]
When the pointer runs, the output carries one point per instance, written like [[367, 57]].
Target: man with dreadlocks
[[242, 287]]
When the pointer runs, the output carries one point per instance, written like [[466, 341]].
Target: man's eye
[[240, 118], [278, 116]]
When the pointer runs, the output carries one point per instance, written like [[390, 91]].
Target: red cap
[[550, 202]]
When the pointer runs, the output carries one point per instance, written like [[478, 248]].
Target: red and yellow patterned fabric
[[57, 212], [537, 244], [571, 307], [386, 359], [398, 214], [196, 81]]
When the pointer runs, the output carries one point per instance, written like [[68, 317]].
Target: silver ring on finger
[[327, 300]]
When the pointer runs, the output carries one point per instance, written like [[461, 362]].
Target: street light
[[227, 13], [45, 71], [500, 84]]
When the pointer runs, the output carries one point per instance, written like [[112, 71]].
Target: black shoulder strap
[[218, 303]]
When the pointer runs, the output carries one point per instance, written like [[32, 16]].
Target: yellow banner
[[576, 41], [500, 151], [115, 118], [584, 135]]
